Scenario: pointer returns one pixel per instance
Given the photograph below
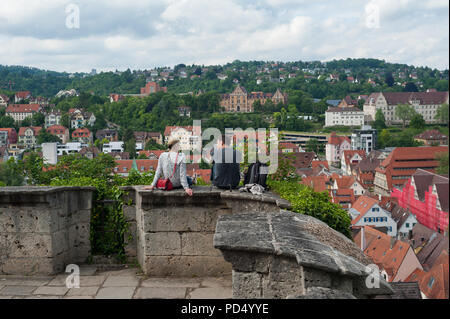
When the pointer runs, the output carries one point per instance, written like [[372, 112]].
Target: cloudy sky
[[142, 34]]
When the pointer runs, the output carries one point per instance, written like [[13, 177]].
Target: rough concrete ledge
[[256, 245]]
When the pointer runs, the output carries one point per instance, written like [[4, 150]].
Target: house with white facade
[[350, 159], [80, 119], [366, 211], [19, 112], [189, 136], [335, 147], [28, 136], [344, 116], [113, 147], [424, 103], [52, 118], [4, 100]]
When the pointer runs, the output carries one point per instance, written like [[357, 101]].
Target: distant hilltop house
[[110, 135], [80, 118], [67, 93], [53, 118], [8, 136], [28, 136], [82, 135], [4, 100], [152, 87], [189, 136], [149, 88], [19, 112], [144, 137], [242, 101], [432, 138], [424, 103], [22, 95], [184, 111], [60, 131]]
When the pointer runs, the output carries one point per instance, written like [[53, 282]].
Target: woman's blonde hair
[[172, 141]]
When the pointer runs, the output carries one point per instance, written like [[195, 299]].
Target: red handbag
[[164, 183]]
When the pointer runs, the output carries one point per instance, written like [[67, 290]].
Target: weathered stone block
[[247, 285], [162, 244], [316, 278], [176, 219], [198, 244], [185, 266]]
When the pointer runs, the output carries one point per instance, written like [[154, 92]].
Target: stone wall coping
[[208, 191], [284, 233], [41, 190]]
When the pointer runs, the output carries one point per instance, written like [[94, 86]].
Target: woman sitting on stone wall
[[171, 170]]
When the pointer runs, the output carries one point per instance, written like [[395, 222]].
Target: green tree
[[443, 163], [152, 145], [411, 87], [384, 139], [313, 145], [130, 147], [9, 175], [442, 113], [38, 119], [380, 122], [46, 137], [65, 120], [6, 122], [417, 121], [404, 112], [389, 80]]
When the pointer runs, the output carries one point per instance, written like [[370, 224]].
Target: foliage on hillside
[[48, 83]]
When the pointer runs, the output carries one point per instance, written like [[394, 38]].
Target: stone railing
[[42, 229], [174, 232], [288, 255]]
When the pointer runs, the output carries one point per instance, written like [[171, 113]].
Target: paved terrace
[[127, 283]]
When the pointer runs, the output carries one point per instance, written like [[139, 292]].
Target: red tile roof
[[434, 283], [380, 249], [315, 164], [402, 158], [348, 154], [431, 135], [157, 153], [288, 145], [36, 130], [318, 183], [23, 108], [23, 94], [57, 129], [337, 140], [169, 129], [81, 132], [363, 204]]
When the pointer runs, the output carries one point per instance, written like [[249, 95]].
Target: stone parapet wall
[[289, 255], [42, 229], [175, 232]]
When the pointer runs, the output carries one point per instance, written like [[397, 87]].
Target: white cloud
[[143, 34]]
